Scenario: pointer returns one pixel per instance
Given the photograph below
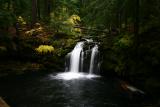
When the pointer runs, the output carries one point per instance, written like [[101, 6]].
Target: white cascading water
[[76, 63], [75, 57], [93, 56], [66, 62], [82, 59]]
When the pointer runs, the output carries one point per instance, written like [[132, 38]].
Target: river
[[44, 90]]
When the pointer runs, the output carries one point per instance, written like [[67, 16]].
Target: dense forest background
[[35, 35]]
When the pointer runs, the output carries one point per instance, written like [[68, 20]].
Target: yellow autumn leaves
[[74, 20], [44, 49], [21, 21]]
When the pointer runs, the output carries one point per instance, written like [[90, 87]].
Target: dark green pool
[[42, 90]]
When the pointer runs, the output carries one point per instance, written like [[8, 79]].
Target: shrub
[[44, 49]]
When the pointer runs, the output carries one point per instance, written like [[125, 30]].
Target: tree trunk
[[47, 8], [38, 9], [34, 12], [136, 22], [126, 20], [8, 4], [119, 21]]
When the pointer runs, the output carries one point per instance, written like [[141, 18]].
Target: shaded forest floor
[[16, 67]]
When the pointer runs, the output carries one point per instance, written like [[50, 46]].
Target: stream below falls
[[44, 90]]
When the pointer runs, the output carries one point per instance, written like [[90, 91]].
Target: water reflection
[[74, 75]]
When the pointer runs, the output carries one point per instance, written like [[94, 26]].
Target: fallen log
[[92, 29], [3, 103]]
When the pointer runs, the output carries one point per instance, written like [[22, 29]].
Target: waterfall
[[82, 59], [75, 62], [93, 59], [75, 57], [67, 62]]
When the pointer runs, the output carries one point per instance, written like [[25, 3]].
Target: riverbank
[[18, 67]]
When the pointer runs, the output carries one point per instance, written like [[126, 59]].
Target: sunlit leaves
[[35, 31], [44, 49], [73, 20], [21, 21], [65, 23]]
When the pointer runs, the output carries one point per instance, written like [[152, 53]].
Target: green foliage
[[6, 18], [60, 52], [9, 10], [63, 46], [118, 53], [99, 12], [65, 23], [70, 43], [61, 15], [124, 41]]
